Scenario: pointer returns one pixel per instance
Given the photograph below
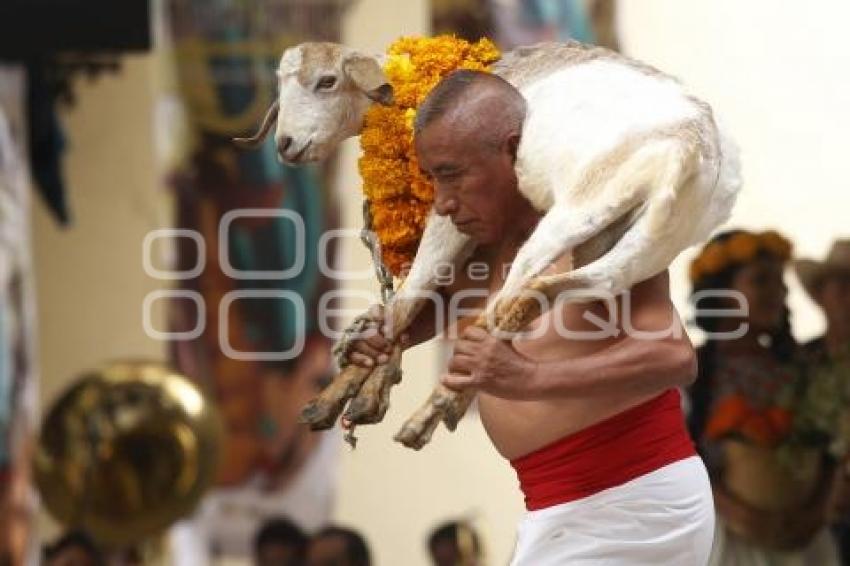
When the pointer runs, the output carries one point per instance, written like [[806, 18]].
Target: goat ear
[[367, 74]]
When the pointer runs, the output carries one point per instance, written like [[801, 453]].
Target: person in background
[[338, 546], [279, 542], [455, 543], [745, 366], [130, 556], [75, 548], [828, 284]]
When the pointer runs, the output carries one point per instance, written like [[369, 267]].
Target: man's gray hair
[[450, 91]]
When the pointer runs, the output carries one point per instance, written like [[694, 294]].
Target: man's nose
[[445, 206]]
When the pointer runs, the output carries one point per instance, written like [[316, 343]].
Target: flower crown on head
[[737, 249]]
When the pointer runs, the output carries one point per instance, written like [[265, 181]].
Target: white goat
[[622, 159]]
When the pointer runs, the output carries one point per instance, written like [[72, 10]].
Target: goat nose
[[283, 144]]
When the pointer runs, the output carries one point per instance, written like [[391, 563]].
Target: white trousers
[[665, 517]]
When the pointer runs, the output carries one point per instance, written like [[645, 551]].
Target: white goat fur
[[605, 138]]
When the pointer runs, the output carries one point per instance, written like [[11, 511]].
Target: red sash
[[607, 454]]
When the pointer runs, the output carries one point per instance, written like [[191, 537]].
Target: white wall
[[776, 73]]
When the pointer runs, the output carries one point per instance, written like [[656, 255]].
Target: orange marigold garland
[[400, 196]]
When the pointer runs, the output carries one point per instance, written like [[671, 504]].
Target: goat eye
[[326, 82]]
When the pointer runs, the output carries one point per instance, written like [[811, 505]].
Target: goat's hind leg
[[607, 197], [648, 246], [418, 429], [561, 231], [449, 405]]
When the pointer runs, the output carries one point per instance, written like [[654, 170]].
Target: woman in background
[[75, 548], [747, 366]]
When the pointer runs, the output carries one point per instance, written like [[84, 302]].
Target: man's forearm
[[424, 325], [420, 331], [642, 366]]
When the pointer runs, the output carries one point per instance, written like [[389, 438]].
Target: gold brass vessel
[[126, 451]]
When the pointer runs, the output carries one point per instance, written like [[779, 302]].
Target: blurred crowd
[[281, 542]]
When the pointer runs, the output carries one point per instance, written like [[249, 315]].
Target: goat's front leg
[[322, 412], [442, 244], [373, 399], [368, 387]]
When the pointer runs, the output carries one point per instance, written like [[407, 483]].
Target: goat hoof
[[452, 417], [364, 410], [320, 416], [321, 413], [373, 399], [415, 434]]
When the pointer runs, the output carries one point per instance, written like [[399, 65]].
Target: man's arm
[[433, 319], [653, 351], [640, 365], [633, 361], [373, 348]]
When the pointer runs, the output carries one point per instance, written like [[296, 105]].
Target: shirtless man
[[592, 423]]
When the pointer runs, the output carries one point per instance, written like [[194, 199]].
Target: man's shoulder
[[656, 287]]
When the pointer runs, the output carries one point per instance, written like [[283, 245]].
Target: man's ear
[[366, 73], [817, 295], [513, 145]]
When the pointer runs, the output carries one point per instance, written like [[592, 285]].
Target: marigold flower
[[398, 260], [742, 247], [776, 244], [399, 222], [738, 249], [383, 178], [400, 196], [714, 258]]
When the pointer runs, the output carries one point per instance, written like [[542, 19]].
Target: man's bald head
[[467, 137], [474, 102]]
